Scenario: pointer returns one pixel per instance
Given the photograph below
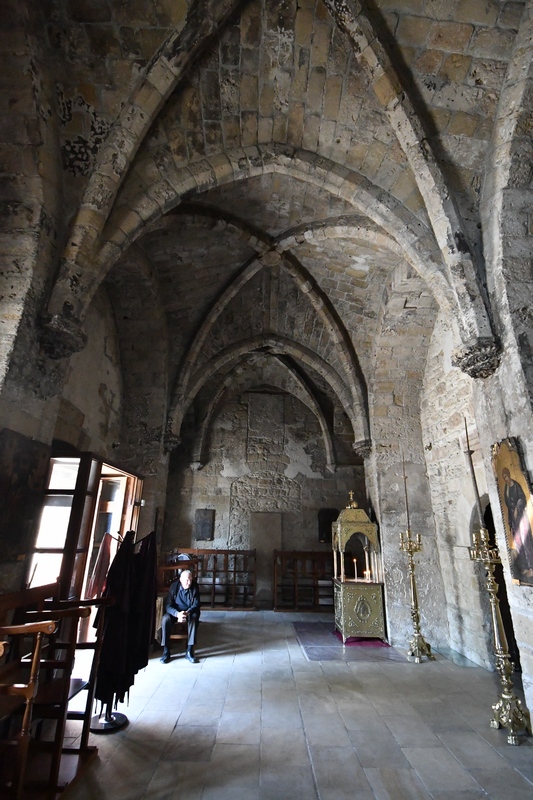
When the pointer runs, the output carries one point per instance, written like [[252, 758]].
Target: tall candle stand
[[418, 647], [507, 711]]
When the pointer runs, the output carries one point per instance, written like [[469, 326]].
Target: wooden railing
[[227, 578], [303, 580]]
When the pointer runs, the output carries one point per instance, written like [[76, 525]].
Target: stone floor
[[258, 719]]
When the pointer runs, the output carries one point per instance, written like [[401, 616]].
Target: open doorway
[[87, 502]]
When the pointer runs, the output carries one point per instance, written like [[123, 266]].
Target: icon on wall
[[516, 504], [204, 524]]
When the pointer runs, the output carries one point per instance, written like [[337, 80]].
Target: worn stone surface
[[287, 245]]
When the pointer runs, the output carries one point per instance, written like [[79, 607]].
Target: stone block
[[279, 128], [463, 124], [303, 29], [249, 128], [492, 43], [455, 67], [428, 63], [320, 45], [295, 124], [315, 89], [478, 12], [249, 92], [454, 37], [310, 132], [332, 95], [413, 30]]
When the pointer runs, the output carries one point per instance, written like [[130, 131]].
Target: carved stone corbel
[[479, 359], [171, 441], [61, 335], [363, 448]]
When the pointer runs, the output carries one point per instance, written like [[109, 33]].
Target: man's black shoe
[[165, 658], [190, 657]]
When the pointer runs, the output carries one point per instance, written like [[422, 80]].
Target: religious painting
[[204, 524], [517, 508], [23, 473]]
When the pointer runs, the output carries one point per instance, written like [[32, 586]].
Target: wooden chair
[[20, 655], [54, 692], [16, 699], [87, 683]]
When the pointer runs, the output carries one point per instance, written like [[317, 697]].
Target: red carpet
[[355, 640]]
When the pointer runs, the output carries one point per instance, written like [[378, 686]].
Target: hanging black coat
[[129, 624]]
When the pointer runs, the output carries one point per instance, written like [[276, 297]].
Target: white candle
[[355, 568]]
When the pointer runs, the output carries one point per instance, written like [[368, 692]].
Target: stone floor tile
[[472, 751], [339, 774], [283, 749], [257, 720], [378, 748], [438, 715], [326, 729], [287, 785], [396, 784], [503, 783], [190, 743], [239, 727], [438, 769], [411, 731], [282, 714]]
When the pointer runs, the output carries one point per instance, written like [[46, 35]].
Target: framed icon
[[516, 504]]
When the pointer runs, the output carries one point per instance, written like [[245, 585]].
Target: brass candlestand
[[508, 711], [418, 647]]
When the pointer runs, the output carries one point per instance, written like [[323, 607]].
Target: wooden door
[[265, 537]]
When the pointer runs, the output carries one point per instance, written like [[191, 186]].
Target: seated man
[[182, 604]]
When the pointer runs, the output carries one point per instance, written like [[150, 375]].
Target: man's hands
[[182, 616]]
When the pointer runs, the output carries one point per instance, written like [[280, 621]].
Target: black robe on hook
[[129, 625]]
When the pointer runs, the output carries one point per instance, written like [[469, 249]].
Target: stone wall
[[446, 402], [266, 453]]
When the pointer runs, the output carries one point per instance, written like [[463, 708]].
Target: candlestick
[[405, 489], [418, 647], [508, 711], [468, 453]]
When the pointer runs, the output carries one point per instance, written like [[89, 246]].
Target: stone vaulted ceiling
[[298, 182]]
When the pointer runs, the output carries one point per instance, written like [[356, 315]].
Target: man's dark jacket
[[180, 599]]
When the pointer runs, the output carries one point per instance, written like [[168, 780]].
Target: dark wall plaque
[[204, 523], [325, 517]]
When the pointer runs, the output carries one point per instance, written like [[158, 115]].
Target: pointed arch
[[229, 387], [70, 295], [352, 377], [356, 412]]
